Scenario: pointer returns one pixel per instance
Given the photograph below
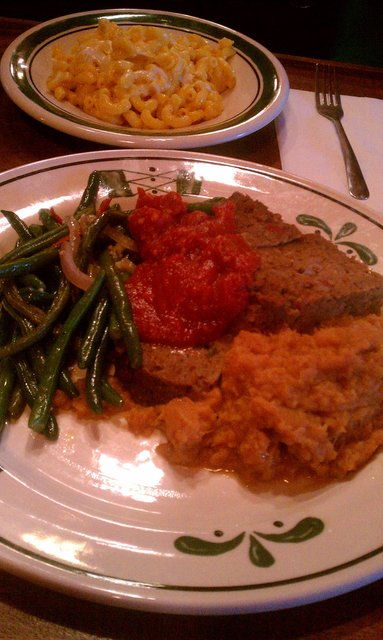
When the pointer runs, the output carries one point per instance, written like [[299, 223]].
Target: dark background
[[343, 30]]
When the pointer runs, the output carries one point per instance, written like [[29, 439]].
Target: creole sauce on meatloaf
[[195, 274]]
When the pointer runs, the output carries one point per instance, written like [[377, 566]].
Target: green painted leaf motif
[[200, 547], [196, 187], [187, 183], [258, 554], [346, 230], [115, 183], [303, 530], [365, 254], [313, 221]]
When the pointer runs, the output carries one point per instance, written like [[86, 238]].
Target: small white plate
[[259, 96], [99, 514]]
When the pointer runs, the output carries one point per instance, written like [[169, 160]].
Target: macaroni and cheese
[[144, 77]]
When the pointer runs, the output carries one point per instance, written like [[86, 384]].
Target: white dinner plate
[[259, 96], [100, 515]]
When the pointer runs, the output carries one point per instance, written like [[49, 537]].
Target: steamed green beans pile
[[48, 323]]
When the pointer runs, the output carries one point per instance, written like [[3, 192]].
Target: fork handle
[[356, 183]]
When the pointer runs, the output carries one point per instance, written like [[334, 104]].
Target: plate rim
[[118, 137]]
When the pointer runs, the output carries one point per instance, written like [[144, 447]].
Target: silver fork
[[328, 104]]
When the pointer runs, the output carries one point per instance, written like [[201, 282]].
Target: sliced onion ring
[[71, 271], [74, 234]]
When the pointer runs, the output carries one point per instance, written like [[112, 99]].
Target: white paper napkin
[[309, 145]]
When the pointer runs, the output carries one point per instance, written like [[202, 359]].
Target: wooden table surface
[[28, 611]]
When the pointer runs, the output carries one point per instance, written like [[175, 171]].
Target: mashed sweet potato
[[286, 404]]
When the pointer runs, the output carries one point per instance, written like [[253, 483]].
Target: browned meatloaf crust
[[168, 372], [258, 225], [308, 282]]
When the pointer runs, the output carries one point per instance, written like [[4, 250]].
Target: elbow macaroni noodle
[[144, 77]]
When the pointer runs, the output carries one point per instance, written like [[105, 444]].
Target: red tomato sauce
[[195, 273]]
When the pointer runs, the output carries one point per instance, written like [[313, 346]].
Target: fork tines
[[326, 86]]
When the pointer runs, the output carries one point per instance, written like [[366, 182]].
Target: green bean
[[22, 322], [93, 332], [7, 380], [64, 382], [33, 281], [205, 205], [95, 228], [7, 372], [18, 225], [27, 379], [7, 368], [123, 310], [109, 394], [51, 430], [124, 275], [29, 388], [16, 404], [59, 303], [36, 230], [53, 276], [27, 264], [4, 327], [88, 200], [36, 244], [47, 220], [25, 326], [36, 296], [48, 383], [93, 379], [15, 300], [37, 355], [114, 327]]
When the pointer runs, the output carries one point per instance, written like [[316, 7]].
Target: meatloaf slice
[[169, 372], [308, 282], [258, 225]]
